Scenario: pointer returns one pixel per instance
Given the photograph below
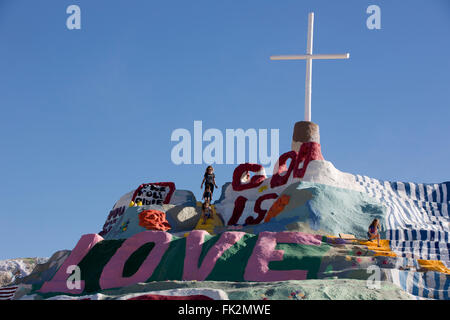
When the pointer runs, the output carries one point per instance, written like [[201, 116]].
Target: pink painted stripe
[[111, 276], [264, 252], [59, 281], [194, 244]]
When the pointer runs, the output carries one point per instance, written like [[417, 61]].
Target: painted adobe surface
[[271, 229], [232, 256]]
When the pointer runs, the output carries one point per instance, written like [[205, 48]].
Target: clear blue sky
[[86, 115]]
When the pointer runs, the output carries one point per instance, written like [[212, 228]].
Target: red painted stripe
[[164, 297], [6, 292], [7, 295], [8, 288], [171, 186]]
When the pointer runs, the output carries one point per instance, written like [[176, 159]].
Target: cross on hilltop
[[309, 56]]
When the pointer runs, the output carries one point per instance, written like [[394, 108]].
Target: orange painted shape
[[434, 265], [383, 250], [154, 220], [277, 207]]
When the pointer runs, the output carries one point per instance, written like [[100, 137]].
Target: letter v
[[194, 244]]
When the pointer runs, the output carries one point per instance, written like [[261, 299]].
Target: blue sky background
[[86, 115]]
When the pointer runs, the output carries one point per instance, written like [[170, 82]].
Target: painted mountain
[[300, 233]]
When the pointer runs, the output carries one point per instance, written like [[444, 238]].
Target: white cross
[[309, 56]]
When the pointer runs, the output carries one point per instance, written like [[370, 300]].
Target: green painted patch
[[96, 259], [135, 261], [231, 265], [208, 243], [172, 262], [300, 257]]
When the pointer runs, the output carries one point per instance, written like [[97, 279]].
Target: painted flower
[[154, 220]]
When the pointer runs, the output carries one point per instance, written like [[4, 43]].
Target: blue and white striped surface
[[417, 225], [429, 285], [417, 219]]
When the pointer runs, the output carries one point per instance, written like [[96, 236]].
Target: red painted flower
[[154, 220]]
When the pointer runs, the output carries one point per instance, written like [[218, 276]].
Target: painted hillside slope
[[415, 217], [113, 268], [334, 289], [255, 247], [264, 229], [311, 195], [305, 193], [179, 206]]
